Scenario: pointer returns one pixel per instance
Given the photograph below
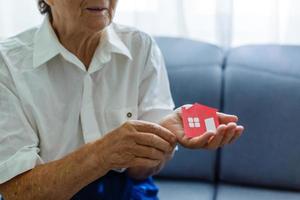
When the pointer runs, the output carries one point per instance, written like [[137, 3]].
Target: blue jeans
[[118, 186]]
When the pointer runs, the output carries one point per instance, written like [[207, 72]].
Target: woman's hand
[[226, 133], [136, 144], [141, 173]]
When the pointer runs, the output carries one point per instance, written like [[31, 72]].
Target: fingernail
[[223, 127]]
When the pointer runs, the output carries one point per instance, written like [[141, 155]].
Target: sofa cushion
[[195, 73], [195, 70], [180, 190], [231, 192], [275, 59], [262, 88]]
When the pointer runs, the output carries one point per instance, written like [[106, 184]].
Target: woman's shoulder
[[16, 48], [24, 39]]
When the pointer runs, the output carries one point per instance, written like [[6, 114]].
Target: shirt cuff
[[24, 160], [120, 170]]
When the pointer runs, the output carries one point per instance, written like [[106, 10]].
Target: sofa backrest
[[262, 86], [195, 73]]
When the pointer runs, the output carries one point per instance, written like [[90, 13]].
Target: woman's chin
[[96, 21], [97, 26]]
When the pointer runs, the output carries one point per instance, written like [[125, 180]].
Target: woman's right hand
[[135, 144]]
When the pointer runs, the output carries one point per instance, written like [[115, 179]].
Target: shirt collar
[[47, 45], [117, 45], [110, 43]]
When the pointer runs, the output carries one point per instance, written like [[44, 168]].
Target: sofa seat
[[190, 190], [235, 192]]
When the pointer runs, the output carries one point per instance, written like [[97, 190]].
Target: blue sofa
[[260, 84]]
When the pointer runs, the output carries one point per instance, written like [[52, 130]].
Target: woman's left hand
[[227, 132]]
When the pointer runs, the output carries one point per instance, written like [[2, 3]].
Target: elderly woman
[[85, 108]]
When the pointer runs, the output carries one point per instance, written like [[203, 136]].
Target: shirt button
[[129, 115]]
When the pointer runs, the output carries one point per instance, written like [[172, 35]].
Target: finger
[[216, 141], [170, 155], [239, 131], [229, 134], [196, 142], [148, 152], [225, 118], [156, 129], [151, 140], [144, 162], [220, 128]]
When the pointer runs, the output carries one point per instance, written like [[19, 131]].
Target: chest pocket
[[115, 117]]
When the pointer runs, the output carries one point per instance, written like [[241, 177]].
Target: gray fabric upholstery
[[230, 192], [276, 59], [262, 86], [185, 190], [195, 72]]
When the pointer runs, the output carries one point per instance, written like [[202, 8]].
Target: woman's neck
[[81, 44]]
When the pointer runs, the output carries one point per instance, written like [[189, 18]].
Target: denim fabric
[[118, 186]]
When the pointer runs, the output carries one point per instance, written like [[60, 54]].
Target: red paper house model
[[198, 119]]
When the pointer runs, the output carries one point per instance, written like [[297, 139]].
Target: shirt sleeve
[[155, 99], [18, 140]]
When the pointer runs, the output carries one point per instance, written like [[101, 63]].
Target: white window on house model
[[194, 122]]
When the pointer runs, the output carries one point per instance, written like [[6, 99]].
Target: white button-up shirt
[[50, 105]]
